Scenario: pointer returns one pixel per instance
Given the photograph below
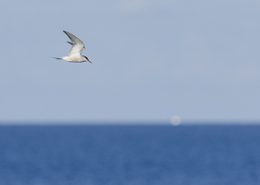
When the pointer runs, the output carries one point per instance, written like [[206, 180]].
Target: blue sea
[[129, 155]]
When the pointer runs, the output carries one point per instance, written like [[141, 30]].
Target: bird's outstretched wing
[[77, 44]]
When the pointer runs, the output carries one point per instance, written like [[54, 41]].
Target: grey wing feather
[[73, 38], [77, 44]]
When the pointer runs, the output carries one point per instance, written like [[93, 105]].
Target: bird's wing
[[77, 44]]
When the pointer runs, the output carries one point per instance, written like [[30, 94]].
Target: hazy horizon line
[[130, 122]]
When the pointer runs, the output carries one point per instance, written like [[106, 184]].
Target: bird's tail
[[57, 58]]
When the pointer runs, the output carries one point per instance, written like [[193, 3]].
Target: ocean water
[[129, 155]]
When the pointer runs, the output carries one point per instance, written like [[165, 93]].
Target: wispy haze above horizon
[[151, 60]]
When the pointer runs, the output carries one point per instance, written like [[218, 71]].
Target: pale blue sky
[[152, 59]]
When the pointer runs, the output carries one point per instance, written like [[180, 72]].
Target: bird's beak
[[89, 61]]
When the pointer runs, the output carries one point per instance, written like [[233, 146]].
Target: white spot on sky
[[175, 120]]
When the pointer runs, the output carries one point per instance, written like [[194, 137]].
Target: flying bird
[[75, 55]]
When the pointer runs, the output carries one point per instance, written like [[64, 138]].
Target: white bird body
[[75, 52], [74, 58]]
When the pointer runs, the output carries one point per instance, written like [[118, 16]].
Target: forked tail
[[57, 58]]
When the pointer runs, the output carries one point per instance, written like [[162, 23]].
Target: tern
[[75, 55]]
